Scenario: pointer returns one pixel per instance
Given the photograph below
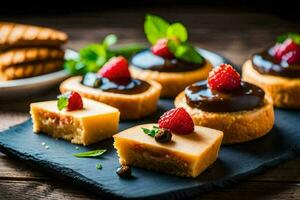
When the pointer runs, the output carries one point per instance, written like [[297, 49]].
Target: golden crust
[[130, 106], [16, 35], [172, 82], [30, 54], [237, 126], [30, 69], [285, 92]]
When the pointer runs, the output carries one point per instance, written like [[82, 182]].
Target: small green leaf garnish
[[90, 154], [62, 102], [127, 50], [177, 30], [98, 166], [294, 36], [151, 132], [155, 28]]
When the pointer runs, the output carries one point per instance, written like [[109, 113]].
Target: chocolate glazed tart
[[280, 80], [265, 63], [135, 99], [173, 74], [243, 115]]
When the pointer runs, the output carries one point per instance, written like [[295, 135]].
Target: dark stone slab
[[234, 163]]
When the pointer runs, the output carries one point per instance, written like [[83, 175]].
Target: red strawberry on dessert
[[224, 78], [70, 101], [287, 46], [161, 49], [177, 121], [116, 70], [292, 57]]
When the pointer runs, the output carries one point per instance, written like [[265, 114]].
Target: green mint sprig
[[156, 28], [151, 132], [90, 154], [63, 100], [294, 36], [93, 56]]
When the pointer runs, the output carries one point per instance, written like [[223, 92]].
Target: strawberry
[[224, 78], [287, 46], [161, 49], [70, 101], [292, 57], [116, 70], [177, 121]]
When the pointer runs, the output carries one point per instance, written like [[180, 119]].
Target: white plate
[[29, 86]]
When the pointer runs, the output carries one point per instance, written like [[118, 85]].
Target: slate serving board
[[234, 163]]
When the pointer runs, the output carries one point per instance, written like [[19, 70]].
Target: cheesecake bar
[[95, 122], [185, 155]]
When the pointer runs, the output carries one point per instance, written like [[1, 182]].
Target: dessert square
[[186, 155], [95, 122]]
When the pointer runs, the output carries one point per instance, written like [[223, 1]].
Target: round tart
[[277, 71], [171, 60], [243, 114], [173, 74], [134, 98]]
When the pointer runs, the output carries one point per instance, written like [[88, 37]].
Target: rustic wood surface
[[232, 33]]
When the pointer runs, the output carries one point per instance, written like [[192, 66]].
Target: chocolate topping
[[265, 63], [247, 97], [148, 61], [133, 86]]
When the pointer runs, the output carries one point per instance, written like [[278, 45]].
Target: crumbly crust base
[[285, 92], [237, 126], [130, 106], [172, 82]]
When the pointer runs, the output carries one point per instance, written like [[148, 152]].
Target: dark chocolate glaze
[[265, 63], [148, 61], [133, 86], [247, 97]]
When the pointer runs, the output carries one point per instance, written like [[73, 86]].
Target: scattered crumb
[[98, 166], [76, 148], [43, 143], [47, 147]]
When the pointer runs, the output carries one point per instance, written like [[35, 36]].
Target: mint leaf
[[151, 132], [98, 166], [90, 154], [155, 28], [294, 36], [177, 30], [127, 50], [185, 51], [110, 39], [62, 102]]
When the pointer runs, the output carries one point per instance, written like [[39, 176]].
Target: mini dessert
[[171, 61], [28, 51], [277, 71], [113, 85], [79, 120], [240, 109], [173, 146]]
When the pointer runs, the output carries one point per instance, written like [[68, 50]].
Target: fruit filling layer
[[246, 97], [283, 59], [123, 86], [148, 61]]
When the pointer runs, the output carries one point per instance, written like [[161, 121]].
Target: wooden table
[[232, 33]]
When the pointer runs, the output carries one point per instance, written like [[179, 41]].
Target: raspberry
[[70, 101], [224, 78], [75, 102], [292, 57], [177, 121], [282, 49], [161, 49], [116, 70]]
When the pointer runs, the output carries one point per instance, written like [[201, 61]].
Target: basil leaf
[[90, 154], [151, 132], [294, 36], [185, 51], [155, 28], [127, 50], [98, 166], [62, 102], [109, 40], [178, 31]]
